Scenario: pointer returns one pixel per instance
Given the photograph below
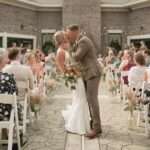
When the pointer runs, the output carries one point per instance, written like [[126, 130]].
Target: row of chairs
[[12, 125], [144, 104]]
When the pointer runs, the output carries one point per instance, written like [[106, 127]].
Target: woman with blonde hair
[[76, 115], [36, 66], [30, 61], [62, 44]]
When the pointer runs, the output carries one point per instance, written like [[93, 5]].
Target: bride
[[76, 116]]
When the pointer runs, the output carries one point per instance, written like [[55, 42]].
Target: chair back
[[8, 99], [23, 89], [23, 85], [146, 91]]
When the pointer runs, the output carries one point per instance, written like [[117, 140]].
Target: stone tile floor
[[48, 132], [116, 135]]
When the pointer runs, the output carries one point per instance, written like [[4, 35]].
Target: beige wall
[[114, 21], [50, 20], [139, 21], [134, 22], [12, 17], [87, 15]]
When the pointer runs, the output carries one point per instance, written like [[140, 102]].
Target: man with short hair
[[21, 72], [84, 52]]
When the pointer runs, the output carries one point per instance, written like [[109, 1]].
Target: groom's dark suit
[[85, 53]]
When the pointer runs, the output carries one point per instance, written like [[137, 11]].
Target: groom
[[83, 51]]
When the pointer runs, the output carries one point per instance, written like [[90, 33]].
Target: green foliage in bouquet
[[70, 76], [70, 81]]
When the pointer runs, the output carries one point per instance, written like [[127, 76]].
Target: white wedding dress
[[77, 116]]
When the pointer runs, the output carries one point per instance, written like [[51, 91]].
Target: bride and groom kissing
[[82, 116]]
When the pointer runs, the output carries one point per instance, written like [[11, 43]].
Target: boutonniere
[[74, 47]]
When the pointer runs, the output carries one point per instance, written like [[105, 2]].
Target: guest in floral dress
[[7, 85]]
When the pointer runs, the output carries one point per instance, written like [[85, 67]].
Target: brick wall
[[12, 17], [114, 20], [87, 15], [48, 20], [139, 21], [92, 20]]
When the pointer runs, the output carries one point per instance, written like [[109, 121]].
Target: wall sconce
[[141, 28], [22, 27], [28, 27]]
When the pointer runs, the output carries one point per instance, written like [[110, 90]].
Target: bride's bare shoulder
[[60, 52]]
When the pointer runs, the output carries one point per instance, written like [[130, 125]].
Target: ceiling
[[117, 1], [60, 2], [48, 3], [44, 3]]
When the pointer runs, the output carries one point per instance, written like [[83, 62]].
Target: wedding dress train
[[77, 116]]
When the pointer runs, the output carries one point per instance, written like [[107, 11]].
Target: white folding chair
[[13, 122], [123, 86], [146, 106], [24, 100]]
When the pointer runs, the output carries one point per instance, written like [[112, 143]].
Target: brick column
[[86, 13]]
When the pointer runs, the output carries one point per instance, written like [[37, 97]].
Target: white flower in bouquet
[[71, 74], [67, 75]]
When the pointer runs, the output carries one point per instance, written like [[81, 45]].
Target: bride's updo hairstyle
[[59, 38]]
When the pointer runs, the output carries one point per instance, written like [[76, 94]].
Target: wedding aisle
[[116, 135], [48, 132]]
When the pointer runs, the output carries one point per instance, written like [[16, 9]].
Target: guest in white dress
[[137, 74]]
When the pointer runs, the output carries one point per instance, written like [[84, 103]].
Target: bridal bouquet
[[71, 75]]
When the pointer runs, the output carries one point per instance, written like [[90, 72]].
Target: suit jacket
[[20, 72], [86, 55]]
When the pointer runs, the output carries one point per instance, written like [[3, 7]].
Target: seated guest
[[35, 64], [39, 64], [147, 57], [30, 61], [39, 55], [22, 55], [127, 63], [110, 59], [7, 85], [137, 75], [50, 62], [21, 72]]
